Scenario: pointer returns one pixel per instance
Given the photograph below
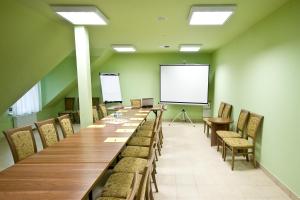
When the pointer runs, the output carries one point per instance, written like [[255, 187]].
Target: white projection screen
[[110, 86], [184, 84]]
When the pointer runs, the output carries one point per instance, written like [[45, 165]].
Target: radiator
[[24, 120]]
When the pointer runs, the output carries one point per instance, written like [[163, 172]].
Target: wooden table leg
[[214, 128]]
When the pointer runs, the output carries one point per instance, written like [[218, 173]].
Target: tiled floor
[[189, 169]]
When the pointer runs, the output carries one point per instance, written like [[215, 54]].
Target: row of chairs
[[223, 112], [242, 140], [21, 140], [136, 169]]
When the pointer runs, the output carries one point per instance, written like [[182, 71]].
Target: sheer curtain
[[29, 103]]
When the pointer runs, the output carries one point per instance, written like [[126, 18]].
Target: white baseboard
[[287, 190]]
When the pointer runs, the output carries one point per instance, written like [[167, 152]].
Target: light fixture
[[123, 48], [81, 15], [190, 47], [210, 14]]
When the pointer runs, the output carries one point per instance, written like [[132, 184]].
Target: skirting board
[[290, 193]]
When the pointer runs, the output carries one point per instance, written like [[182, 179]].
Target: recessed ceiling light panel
[[210, 14], [190, 47], [81, 15], [124, 48]]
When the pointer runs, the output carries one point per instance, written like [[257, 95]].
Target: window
[[29, 103]]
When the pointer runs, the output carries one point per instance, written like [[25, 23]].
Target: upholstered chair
[[66, 125], [21, 142], [48, 132]]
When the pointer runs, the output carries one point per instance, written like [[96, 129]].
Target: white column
[[83, 75]]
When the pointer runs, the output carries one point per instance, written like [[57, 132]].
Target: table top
[[219, 120], [70, 168]]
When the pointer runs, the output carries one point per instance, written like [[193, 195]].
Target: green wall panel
[[259, 71], [140, 77]]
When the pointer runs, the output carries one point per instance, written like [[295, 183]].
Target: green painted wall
[[139, 76], [259, 71], [31, 45]]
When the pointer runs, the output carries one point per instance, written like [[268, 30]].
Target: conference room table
[[71, 168]]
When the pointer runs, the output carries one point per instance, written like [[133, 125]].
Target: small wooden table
[[217, 123]]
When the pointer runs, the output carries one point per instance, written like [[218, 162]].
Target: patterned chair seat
[[135, 151], [144, 133], [238, 142], [139, 141], [146, 128], [208, 123], [130, 165], [148, 123], [118, 186], [206, 119], [228, 134], [109, 198]]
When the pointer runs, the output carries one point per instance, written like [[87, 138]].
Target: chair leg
[[254, 159], [225, 151], [156, 157], [232, 161], [204, 127], [154, 180], [207, 132], [159, 149], [218, 143]]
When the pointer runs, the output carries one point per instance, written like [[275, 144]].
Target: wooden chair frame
[[40, 124], [238, 129], [103, 110], [59, 119], [8, 133], [245, 150], [221, 108]]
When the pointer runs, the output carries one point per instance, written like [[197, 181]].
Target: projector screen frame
[[109, 74], [184, 103]]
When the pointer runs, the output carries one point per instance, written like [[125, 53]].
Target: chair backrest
[[253, 125], [136, 103], [134, 186], [69, 103], [66, 125], [95, 114], [221, 108], [144, 184], [227, 111], [103, 110], [48, 132], [21, 142], [243, 117]]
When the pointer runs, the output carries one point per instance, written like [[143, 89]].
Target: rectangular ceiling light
[[210, 14], [124, 48], [81, 15], [190, 47]]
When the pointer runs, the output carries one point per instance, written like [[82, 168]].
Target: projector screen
[[184, 84], [110, 86]]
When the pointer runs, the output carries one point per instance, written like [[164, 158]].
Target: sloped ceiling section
[[31, 45]]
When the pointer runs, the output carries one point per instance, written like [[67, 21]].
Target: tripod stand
[[184, 115]]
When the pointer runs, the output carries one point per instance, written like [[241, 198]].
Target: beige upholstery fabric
[[238, 142], [136, 103], [135, 151], [144, 133], [23, 143], [242, 120], [208, 123], [109, 198], [148, 123], [67, 126], [131, 165], [252, 126], [228, 134], [118, 185], [49, 133], [226, 111], [206, 119], [139, 141], [103, 110], [95, 114]]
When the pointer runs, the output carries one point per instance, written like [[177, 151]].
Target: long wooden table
[[69, 169]]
